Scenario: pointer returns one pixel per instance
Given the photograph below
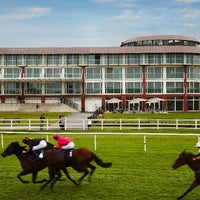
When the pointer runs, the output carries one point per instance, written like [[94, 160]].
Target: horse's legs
[[22, 174], [56, 179], [86, 172], [51, 178], [34, 177], [92, 171], [69, 177], [194, 184]]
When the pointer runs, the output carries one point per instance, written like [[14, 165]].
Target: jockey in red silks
[[63, 142]]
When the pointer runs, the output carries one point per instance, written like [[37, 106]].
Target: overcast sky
[[93, 23]]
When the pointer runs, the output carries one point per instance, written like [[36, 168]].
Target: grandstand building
[[163, 67]]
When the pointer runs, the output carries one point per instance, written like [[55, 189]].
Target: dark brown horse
[[187, 158], [54, 159], [83, 157]]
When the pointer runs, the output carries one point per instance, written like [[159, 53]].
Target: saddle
[[37, 155]]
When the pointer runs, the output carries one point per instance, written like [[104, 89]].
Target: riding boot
[[36, 155]]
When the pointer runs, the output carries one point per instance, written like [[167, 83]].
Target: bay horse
[[83, 158], [187, 158], [53, 159]]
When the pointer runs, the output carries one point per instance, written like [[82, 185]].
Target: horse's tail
[[100, 162]]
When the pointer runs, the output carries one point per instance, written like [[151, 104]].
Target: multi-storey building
[[165, 66]]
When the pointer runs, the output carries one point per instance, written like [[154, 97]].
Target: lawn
[[134, 175]]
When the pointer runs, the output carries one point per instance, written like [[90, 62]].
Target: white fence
[[145, 135], [101, 124]]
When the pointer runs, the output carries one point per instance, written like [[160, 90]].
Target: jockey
[[36, 145], [63, 142], [197, 156], [66, 143]]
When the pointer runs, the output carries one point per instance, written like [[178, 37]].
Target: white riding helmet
[[198, 144]]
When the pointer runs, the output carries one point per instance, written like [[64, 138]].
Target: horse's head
[[12, 148], [182, 160]]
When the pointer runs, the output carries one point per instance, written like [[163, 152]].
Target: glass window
[[174, 87], [196, 59], [93, 88], [154, 87], [53, 88], [73, 88], [175, 72], [132, 59], [193, 87], [33, 88], [32, 72], [154, 72], [174, 58], [54, 59], [113, 73], [52, 72], [154, 58], [133, 72], [113, 59], [189, 59], [73, 72], [113, 87], [12, 88], [93, 73], [34, 59], [11, 60], [12, 72], [193, 72], [133, 87], [72, 59]]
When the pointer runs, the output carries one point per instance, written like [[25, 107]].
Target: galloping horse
[[186, 158], [83, 157], [54, 160]]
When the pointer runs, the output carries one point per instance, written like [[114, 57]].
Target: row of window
[[97, 88], [96, 73], [93, 59]]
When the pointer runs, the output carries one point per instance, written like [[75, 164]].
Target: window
[[154, 87], [154, 72], [34, 59], [93, 73], [113, 87], [193, 72], [52, 72], [12, 72], [174, 72], [33, 88], [53, 88], [72, 59], [132, 59], [12, 88], [133, 87], [32, 72], [174, 58], [73, 72], [73, 88], [113, 59], [113, 73], [54, 59], [174, 87], [154, 58], [193, 87], [133, 72], [93, 88]]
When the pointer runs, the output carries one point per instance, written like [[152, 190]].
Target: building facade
[[163, 66]]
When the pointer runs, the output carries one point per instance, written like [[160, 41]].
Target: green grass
[[135, 174]]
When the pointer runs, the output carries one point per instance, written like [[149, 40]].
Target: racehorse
[[83, 158], [55, 160], [187, 158]]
